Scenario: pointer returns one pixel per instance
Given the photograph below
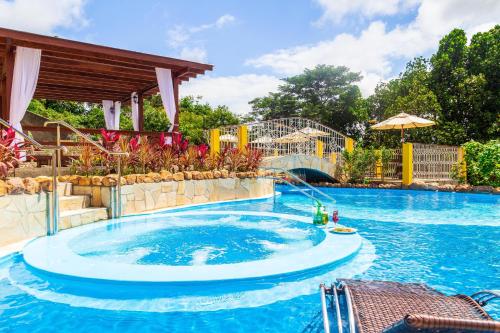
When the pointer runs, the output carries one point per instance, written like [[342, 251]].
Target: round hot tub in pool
[[190, 247]]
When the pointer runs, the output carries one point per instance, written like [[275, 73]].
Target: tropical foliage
[[172, 154], [483, 162], [458, 87], [194, 117]]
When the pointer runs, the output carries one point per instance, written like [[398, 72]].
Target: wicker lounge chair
[[379, 306]]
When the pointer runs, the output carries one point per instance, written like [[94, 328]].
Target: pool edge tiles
[[53, 255]]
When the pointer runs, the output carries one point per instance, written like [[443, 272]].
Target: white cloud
[[233, 91], [373, 51], [198, 54], [41, 16], [224, 20], [180, 34], [336, 10]]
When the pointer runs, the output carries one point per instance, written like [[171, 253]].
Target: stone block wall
[[143, 197], [23, 216]]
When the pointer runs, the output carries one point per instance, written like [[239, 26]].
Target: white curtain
[[26, 69], [112, 114], [164, 78], [135, 111]]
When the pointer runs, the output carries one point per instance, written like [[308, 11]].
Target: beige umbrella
[[312, 132], [295, 137], [263, 139], [228, 138], [402, 121]]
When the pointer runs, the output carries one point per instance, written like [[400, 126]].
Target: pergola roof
[[77, 71]]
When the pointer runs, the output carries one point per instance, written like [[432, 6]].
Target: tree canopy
[[458, 87]]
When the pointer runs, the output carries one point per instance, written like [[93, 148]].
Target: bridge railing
[[286, 136]]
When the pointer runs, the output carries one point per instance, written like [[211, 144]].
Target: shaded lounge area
[[52, 68]]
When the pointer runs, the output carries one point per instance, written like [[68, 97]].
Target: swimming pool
[[450, 241]]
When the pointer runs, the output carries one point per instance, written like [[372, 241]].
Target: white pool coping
[[53, 255]]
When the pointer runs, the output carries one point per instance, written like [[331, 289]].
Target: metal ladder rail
[[309, 186], [292, 185], [117, 210], [324, 312], [350, 313], [485, 296], [53, 221], [332, 291], [337, 308]]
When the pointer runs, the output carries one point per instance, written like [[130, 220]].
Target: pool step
[[73, 202], [76, 217]]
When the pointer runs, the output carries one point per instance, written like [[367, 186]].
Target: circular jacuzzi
[[191, 246]]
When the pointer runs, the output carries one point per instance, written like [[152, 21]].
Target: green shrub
[[357, 163], [483, 162]]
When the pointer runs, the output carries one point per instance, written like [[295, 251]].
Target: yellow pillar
[[319, 148], [407, 163], [333, 158], [276, 152], [378, 164], [349, 145], [214, 141], [242, 137], [461, 161]]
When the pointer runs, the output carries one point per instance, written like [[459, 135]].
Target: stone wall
[[23, 216], [143, 197]]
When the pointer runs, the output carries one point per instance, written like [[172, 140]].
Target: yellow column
[[378, 164], [407, 163], [242, 137], [319, 148], [333, 158], [461, 161], [349, 145], [214, 141]]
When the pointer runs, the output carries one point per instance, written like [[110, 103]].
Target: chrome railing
[[324, 311], [53, 221], [301, 181], [118, 202]]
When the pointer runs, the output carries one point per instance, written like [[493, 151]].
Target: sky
[[253, 44]]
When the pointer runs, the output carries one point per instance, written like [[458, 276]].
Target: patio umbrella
[[295, 137], [402, 121], [313, 132], [263, 139], [228, 138]]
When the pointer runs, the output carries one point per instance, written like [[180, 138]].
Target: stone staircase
[[75, 210]]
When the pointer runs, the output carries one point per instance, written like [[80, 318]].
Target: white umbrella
[[294, 137], [313, 132], [263, 139], [228, 138], [402, 121]]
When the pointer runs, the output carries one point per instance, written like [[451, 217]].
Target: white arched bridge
[[295, 144]]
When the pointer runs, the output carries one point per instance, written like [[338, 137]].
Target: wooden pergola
[[83, 72]]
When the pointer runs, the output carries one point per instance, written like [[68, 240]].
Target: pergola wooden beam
[[76, 71]]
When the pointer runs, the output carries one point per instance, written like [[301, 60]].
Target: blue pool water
[[195, 240], [450, 241]]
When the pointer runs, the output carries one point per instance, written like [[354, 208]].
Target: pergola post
[[176, 99], [140, 104], [7, 77]]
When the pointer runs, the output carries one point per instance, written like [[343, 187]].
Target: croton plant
[[165, 152]]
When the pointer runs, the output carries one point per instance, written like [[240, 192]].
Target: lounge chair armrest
[[426, 323]]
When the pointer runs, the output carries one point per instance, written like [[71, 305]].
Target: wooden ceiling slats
[[71, 70]]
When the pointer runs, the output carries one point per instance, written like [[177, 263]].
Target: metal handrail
[[59, 123], [326, 323], [309, 186], [337, 308], [350, 312], [53, 222], [292, 185], [485, 296]]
